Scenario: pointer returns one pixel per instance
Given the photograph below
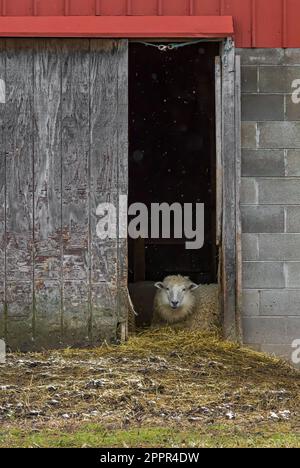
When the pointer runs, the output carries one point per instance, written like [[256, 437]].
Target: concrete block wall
[[270, 198]]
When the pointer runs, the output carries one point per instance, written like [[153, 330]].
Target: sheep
[[181, 303]]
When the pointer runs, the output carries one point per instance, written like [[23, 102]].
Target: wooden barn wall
[[258, 23], [63, 129]]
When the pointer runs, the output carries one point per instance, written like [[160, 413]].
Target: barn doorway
[[172, 158]]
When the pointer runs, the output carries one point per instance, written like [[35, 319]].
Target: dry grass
[[159, 379]]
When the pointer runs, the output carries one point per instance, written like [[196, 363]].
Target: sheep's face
[[176, 291]]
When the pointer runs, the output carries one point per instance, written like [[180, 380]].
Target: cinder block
[[293, 163], [292, 109], [249, 193], [249, 77], [291, 56], [278, 191], [250, 305], [250, 247], [257, 219], [261, 56], [279, 247], [262, 107], [249, 135], [277, 79], [293, 329], [279, 135], [293, 218], [263, 275], [263, 163], [282, 302], [263, 330], [292, 275]]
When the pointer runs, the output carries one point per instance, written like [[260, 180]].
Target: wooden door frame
[[228, 167], [228, 135]]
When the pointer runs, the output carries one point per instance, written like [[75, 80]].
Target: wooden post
[[2, 198], [219, 170], [229, 190], [239, 278]]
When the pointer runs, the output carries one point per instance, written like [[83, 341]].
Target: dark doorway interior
[[172, 152]]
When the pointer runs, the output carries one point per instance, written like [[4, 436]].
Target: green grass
[[96, 437]]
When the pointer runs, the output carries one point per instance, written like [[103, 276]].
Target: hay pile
[[161, 378], [176, 380]]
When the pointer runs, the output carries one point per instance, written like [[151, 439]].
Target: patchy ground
[[163, 388]]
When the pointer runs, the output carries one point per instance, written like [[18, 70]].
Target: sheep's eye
[[168, 289], [184, 290]]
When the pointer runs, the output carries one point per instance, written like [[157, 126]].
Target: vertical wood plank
[[219, 174], [254, 23], [47, 191], [229, 190], [176, 7], [75, 190], [211, 8], [268, 22], [54, 8], [112, 7], [219, 168], [160, 7], [86, 8], [123, 182], [238, 157], [148, 8], [19, 173], [103, 181], [19, 8], [108, 155], [241, 12], [2, 199], [285, 25], [291, 23]]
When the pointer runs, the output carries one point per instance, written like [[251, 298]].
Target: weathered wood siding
[[63, 136], [230, 156], [2, 205]]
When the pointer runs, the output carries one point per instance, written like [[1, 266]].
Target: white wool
[[200, 309]]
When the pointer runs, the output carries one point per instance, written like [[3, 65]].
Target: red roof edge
[[117, 26]]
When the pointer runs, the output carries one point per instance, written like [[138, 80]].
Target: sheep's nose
[[175, 304]]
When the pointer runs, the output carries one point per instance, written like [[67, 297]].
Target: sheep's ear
[[194, 286], [159, 285]]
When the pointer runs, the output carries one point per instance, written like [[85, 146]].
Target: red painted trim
[[284, 24], [117, 26], [254, 25]]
